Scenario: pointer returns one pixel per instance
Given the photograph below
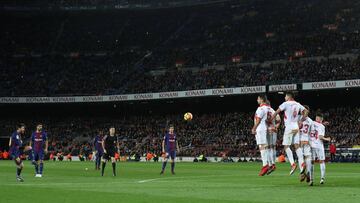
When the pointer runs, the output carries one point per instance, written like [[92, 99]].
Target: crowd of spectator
[[235, 76], [85, 77]]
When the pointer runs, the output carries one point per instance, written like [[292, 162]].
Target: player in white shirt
[[273, 127], [292, 114], [305, 130], [317, 136], [260, 130]]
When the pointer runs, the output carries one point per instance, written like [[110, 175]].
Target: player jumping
[[273, 127], [39, 145], [169, 147], [305, 130], [15, 143], [317, 136], [260, 130], [99, 149], [109, 145], [292, 111]]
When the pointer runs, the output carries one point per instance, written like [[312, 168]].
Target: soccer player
[[292, 111], [305, 130], [15, 143], [39, 145], [99, 149], [273, 127], [317, 136], [169, 147], [260, 130], [110, 144]]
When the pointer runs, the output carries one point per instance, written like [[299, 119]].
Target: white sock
[[274, 154], [312, 171], [270, 159], [264, 156], [300, 156], [308, 167], [289, 155], [322, 170]]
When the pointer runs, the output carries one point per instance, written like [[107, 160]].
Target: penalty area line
[[149, 180], [185, 177]]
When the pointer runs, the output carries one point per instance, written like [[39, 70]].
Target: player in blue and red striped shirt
[[169, 147], [99, 149], [15, 143], [39, 145]]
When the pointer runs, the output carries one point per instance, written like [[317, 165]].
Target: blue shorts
[[36, 156], [99, 154], [171, 154], [15, 154]]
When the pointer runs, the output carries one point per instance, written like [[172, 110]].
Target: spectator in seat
[[332, 151]]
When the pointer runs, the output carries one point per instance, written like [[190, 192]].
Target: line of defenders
[[105, 146], [302, 132]]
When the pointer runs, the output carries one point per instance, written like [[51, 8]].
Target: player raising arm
[[317, 136], [292, 111]]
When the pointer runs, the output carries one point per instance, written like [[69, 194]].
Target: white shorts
[[304, 138], [291, 138], [306, 150], [261, 137], [318, 153], [272, 138]]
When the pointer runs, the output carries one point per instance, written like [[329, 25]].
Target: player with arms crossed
[[292, 111], [110, 144], [305, 130], [99, 149], [169, 147], [39, 145], [15, 143], [317, 136], [273, 127], [260, 130]]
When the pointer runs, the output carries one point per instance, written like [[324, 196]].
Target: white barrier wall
[[134, 97], [185, 94], [331, 84]]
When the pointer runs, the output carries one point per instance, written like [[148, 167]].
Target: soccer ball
[[188, 116]]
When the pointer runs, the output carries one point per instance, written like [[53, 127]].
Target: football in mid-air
[[188, 116]]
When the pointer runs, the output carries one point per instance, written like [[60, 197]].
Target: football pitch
[[194, 182]]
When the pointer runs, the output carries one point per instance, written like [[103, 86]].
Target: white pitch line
[[186, 177], [56, 184], [149, 180]]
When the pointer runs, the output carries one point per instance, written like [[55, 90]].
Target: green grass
[[194, 182]]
